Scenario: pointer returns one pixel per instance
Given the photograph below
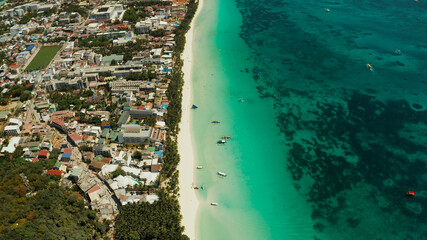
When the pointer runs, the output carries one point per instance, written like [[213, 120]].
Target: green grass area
[[43, 57]]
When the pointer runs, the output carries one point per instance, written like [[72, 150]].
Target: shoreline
[[188, 200]]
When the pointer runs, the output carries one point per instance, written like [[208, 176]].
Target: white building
[[29, 7], [144, 26], [123, 182], [133, 133], [46, 7], [108, 12], [12, 130], [69, 46], [13, 143], [92, 131], [15, 121], [15, 29], [150, 177]]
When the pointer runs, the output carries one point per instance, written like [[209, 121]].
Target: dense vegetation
[[30, 15], [126, 50], [72, 7], [103, 45], [142, 4], [27, 17], [64, 101], [33, 208], [4, 59], [43, 58], [142, 76], [145, 221], [133, 16], [23, 92], [162, 219], [93, 41]]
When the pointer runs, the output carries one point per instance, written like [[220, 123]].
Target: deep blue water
[[356, 138]]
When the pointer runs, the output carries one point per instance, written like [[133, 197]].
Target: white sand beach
[[187, 199]]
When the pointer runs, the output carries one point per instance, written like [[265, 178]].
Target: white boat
[[327, 10], [369, 67], [398, 52], [214, 204], [222, 174], [222, 141], [199, 167]]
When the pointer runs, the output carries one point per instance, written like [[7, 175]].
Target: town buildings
[[98, 107]]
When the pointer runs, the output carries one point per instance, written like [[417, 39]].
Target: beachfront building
[[132, 133]]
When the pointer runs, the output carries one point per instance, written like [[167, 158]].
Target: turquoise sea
[[322, 147]]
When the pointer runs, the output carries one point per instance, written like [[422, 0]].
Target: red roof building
[[156, 167], [107, 160], [14, 66], [58, 122], [43, 154], [68, 150], [55, 172], [94, 189], [75, 138]]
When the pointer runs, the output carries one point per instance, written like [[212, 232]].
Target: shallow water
[[322, 147]]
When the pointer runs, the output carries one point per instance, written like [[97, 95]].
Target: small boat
[[215, 122], [194, 107], [196, 187], [199, 167], [241, 100], [214, 204], [327, 10], [410, 193], [369, 67], [226, 137], [221, 142], [222, 174], [202, 187], [398, 52]]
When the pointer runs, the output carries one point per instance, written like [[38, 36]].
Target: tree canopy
[[160, 220], [33, 207]]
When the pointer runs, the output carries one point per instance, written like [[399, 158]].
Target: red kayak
[[410, 193]]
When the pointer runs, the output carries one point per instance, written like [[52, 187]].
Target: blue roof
[[167, 69], [29, 48], [66, 155], [160, 153], [164, 106]]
